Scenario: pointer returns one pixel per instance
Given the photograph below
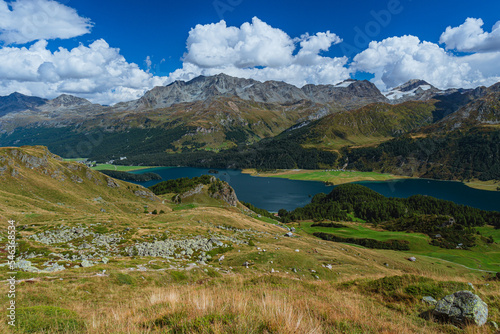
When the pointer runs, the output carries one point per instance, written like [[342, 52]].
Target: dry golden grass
[[233, 304]]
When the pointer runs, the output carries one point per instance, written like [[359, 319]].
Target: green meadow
[[482, 257]]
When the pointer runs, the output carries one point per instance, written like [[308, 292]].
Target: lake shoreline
[[274, 193], [295, 174], [321, 175]]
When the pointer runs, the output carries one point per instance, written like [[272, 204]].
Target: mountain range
[[221, 113]]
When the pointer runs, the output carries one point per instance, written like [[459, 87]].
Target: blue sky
[[115, 50], [159, 29]]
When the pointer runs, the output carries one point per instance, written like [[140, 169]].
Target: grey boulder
[[462, 307]]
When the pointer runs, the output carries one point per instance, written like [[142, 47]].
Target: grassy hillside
[[296, 284], [213, 125], [483, 257], [422, 224], [369, 125], [33, 179], [463, 146], [457, 155]]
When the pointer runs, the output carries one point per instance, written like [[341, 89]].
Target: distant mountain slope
[[482, 111], [464, 145], [67, 101], [18, 102], [210, 113], [215, 124], [457, 155], [25, 111], [368, 125], [350, 94], [448, 101]]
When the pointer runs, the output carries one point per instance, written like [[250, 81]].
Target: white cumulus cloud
[[253, 44], [396, 60], [23, 21], [98, 72], [470, 37], [259, 51]]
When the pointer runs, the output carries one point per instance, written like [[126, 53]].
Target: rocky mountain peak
[[414, 84], [413, 90], [203, 88], [349, 93], [66, 100]]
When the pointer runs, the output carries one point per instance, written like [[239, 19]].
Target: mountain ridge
[[349, 94], [221, 85], [225, 112]]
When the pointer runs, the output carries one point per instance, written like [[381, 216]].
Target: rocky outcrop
[[462, 307], [30, 161], [222, 190], [144, 193], [198, 189], [112, 183], [13, 160]]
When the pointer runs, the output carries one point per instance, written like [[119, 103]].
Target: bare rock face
[[198, 189], [462, 307], [112, 183], [144, 193], [223, 191]]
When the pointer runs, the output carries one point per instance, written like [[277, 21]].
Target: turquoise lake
[[273, 194]]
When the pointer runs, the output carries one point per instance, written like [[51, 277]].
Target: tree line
[[447, 223], [125, 176], [179, 186]]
